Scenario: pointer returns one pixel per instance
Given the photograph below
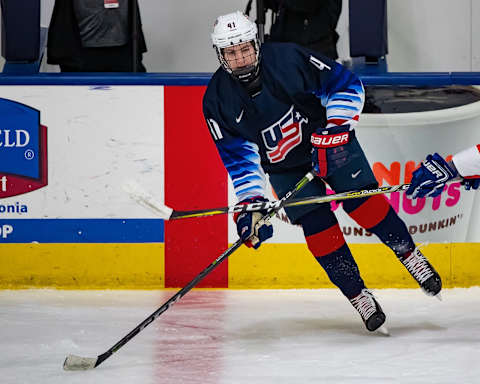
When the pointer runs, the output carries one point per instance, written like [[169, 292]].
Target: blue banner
[[82, 231], [19, 139]]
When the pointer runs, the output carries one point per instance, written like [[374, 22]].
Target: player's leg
[[376, 215], [327, 244]]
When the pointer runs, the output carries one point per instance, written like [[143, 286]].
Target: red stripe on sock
[[325, 242], [371, 212]]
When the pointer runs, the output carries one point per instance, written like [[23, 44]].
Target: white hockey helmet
[[233, 29]]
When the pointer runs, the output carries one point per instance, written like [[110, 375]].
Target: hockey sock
[[377, 216], [327, 244], [342, 270]]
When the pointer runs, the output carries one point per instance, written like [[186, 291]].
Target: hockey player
[[273, 109], [429, 180]]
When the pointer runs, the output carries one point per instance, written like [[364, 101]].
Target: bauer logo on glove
[[330, 149], [430, 178], [329, 141]]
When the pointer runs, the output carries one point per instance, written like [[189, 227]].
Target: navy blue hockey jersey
[[301, 91]]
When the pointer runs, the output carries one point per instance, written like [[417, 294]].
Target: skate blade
[[439, 296], [383, 331]]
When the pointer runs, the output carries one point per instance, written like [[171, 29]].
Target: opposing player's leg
[[327, 244], [376, 215]]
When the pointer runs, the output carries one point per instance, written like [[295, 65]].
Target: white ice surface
[[228, 337]]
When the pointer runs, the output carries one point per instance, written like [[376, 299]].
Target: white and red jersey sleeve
[[467, 162]]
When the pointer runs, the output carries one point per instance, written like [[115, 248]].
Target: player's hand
[[252, 230], [430, 178], [471, 183], [331, 149]]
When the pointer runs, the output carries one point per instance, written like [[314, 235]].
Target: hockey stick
[[77, 363], [167, 213]]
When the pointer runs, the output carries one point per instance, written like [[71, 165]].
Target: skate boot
[[370, 311], [422, 271]]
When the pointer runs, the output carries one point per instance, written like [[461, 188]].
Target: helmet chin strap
[[249, 77], [254, 87], [247, 73]]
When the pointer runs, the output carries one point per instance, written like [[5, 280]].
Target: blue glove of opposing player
[[430, 178], [471, 183], [331, 149], [250, 228]]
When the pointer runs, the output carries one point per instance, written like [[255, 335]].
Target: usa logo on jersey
[[281, 137]]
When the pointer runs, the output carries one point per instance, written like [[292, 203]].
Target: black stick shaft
[[255, 207], [101, 358]]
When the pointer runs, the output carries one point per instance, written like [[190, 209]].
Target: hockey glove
[[331, 149], [250, 228], [471, 182], [430, 178]]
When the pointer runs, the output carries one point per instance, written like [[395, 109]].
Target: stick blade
[[146, 200], [383, 331], [78, 363]]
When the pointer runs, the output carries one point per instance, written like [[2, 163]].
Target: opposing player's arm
[[467, 162], [434, 172]]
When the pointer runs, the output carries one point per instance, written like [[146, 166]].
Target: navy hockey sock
[[393, 232], [326, 242], [342, 271], [377, 216]]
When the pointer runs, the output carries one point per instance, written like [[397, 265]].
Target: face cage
[[244, 74]]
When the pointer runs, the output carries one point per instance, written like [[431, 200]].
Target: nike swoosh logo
[[237, 119], [354, 175], [317, 63]]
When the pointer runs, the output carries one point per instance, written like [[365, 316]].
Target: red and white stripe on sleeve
[[467, 162]]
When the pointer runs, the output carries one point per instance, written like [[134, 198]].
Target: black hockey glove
[[250, 228], [331, 149]]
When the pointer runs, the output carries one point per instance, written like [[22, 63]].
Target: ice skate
[[423, 272], [370, 311]]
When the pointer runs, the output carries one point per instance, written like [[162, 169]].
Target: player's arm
[[242, 161], [341, 93]]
